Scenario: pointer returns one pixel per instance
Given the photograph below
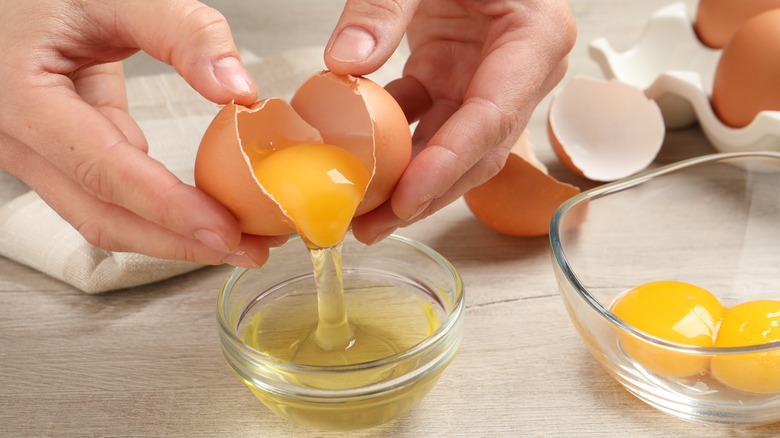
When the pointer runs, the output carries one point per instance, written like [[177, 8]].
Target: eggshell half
[[520, 200], [366, 121], [604, 130], [349, 112], [223, 168]]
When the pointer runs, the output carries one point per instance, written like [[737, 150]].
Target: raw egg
[[604, 130], [746, 77], [750, 323], [717, 20], [673, 311], [319, 186], [348, 140], [521, 199]]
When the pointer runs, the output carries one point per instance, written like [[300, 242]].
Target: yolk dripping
[[750, 323], [318, 185], [673, 311]]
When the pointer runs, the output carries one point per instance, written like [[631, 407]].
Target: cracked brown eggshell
[[520, 200], [350, 112]]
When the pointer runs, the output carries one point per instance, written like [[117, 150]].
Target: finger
[[255, 248], [375, 225], [104, 164], [472, 144], [195, 39], [112, 227], [452, 162], [103, 87], [411, 96], [367, 33], [476, 133], [46, 116]]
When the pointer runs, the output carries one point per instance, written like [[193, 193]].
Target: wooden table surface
[[147, 362]]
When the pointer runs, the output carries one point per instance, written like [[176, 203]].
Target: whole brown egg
[[747, 77], [717, 20]]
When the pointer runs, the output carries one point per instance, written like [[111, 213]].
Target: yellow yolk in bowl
[[750, 323], [673, 311], [318, 185]]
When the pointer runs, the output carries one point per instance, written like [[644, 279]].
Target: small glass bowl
[[344, 397], [712, 221]]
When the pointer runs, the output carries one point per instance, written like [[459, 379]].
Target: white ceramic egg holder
[[676, 70]]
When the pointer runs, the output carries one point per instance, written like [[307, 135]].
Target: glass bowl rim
[[559, 255], [444, 330]]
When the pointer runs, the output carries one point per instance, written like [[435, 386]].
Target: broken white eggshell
[[672, 66], [604, 130]]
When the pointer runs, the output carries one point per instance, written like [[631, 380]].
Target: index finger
[[79, 140]]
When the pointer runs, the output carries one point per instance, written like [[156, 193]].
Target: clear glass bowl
[[713, 221], [344, 397]]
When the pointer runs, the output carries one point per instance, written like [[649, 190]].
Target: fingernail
[[240, 259], [212, 240], [232, 75], [383, 235], [353, 44], [278, 240], [420, 210]]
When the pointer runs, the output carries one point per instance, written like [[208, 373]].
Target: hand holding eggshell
[[66, 133], [476, 72], [65, 130]]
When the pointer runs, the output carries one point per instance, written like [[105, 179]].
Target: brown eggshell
[[747, 77], [222, 165], [353, 113], [521, 199], [347, 112], [717, 20]]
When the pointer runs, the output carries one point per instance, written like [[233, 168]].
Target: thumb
[[195, 39], [367, 33]]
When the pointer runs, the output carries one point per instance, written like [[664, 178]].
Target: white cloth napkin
[[173, 117]]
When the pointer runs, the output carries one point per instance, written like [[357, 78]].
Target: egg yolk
[[673, 311], [750, 323], [318, 185]]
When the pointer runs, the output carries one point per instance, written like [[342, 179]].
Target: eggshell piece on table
[[747, 77], [717, 20], [520, 200], [350, 112], [604, 130]]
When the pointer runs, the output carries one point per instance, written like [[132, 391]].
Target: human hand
[[65, 130], [476, 71]]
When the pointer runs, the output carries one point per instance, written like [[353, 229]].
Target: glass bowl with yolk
[[670, 279]]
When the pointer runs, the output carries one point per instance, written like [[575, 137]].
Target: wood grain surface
[[147, 362]]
